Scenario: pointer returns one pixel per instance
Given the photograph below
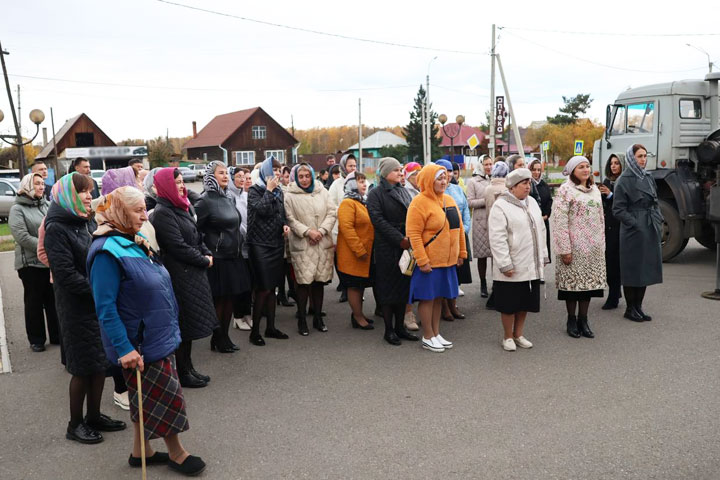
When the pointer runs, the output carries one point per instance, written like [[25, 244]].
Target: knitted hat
[[517, 176], [387, 165]]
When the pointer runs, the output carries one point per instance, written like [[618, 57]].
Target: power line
[[165, 87], [614, 67], [318, 32], [612, 34]]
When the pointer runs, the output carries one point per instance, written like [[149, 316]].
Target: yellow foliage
[[562, 138]]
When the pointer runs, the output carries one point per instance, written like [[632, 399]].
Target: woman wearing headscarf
[[138, 314], [68, 228], [348, 164], [387, 205], [187, 260], [435, 230], [476, 186], [24, 220], [517, 241], [148, 188], [238, 187], [636, 206], [613, 169], [515, 161], [456, 176], [410, 172], [579, 235], [311, 216], [333, 174], [497, 186], [267, 227], [219, 222], [464, 275], [126, 177], [354, 247], [542, 195]]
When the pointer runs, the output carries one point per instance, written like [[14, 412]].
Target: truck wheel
[[707, 237], [673, 240]]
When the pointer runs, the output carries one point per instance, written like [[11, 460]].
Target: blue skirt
[[441, 282]]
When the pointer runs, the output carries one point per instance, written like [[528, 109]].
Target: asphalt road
[[638, 402]]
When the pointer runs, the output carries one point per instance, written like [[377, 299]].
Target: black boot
[[283, 300], [188, 380], [483, 288], [572, 326], [343, 296], [630, 311], [318, 323], [302, 324], [639, 297], [584, 327], [402, 332]]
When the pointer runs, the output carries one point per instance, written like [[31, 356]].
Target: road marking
[[5, 366]]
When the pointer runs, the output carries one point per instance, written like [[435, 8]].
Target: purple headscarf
[[118, 177]]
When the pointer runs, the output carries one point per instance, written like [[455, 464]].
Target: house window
[[278, 154], [259, 132], [244, 158]]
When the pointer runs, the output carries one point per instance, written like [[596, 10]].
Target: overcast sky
[[139, 67]]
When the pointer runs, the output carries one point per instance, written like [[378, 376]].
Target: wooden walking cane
[[142, 424]]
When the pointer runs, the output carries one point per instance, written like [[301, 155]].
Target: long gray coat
[[635, 204]]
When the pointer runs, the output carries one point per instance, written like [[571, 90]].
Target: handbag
[[407, 261]]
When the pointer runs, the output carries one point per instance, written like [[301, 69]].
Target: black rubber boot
[[483, 288]]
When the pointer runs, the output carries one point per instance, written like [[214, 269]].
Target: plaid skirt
[[163, 401]]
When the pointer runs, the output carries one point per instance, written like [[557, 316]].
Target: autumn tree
[[399, 152], [414, 130], [160, 152], [562, 137], [574, 106]]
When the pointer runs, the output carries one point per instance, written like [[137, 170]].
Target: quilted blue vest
[[145, 302]]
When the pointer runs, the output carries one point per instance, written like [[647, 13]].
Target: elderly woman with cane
[[138, 314]]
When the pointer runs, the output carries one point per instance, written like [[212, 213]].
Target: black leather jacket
[[219, 222]]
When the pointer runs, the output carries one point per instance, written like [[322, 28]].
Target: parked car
[[188, 175], [8, 192], [198, 169], [97, 176]]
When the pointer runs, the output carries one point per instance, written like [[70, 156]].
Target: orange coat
[[355, 238], [426, 217]]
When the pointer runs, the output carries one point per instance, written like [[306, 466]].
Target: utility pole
[[516, 131], [424, 132], [428, 125], [360, 133], [57, 162], [491, 122], [19, 111], [21, 153]]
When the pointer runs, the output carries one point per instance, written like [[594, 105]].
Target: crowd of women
[[128, 280]]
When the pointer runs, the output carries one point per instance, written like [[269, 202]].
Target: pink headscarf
[[164, 182]]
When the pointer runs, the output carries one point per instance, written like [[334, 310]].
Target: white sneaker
[[121, 400], [248, 320], [240, 324], [443, 342], [410, 322], [460, 292], [509, 345], [433, 345], [523, 342]]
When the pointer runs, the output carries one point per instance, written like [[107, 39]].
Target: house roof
[[67, 126], [222, 127], [380, 139], [465, 133]]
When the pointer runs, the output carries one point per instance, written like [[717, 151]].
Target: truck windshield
[[640, 118]]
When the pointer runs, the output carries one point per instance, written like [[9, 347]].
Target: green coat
[[25, 218], [635, 204]]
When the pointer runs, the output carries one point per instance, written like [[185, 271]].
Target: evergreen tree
[[573, 107], [414, 130]]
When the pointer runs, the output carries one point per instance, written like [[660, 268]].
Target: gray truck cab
[[671, 120]]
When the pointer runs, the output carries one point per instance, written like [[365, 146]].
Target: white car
[[97, 176], [198, 169]]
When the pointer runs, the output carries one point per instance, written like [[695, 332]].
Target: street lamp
[[37, 117], [710, 63], [460, 119]]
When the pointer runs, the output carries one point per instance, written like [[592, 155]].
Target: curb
[[5, 366]]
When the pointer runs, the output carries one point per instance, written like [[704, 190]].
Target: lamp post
[[460, 119], [710, 63], [36, 116]]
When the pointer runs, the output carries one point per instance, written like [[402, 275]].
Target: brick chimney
[[194, 129]]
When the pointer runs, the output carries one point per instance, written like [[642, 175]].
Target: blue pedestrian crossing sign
[[579, 147], [546, 145]]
